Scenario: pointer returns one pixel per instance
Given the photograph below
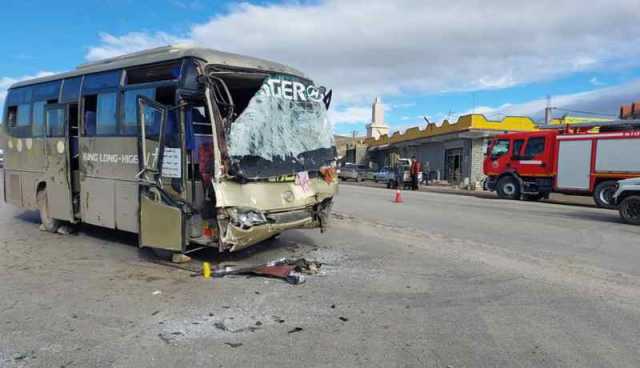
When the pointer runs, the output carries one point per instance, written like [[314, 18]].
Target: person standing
[[415, 170]]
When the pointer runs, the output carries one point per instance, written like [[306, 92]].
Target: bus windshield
[[283, 130]]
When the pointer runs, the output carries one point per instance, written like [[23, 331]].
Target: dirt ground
[[438, 281]]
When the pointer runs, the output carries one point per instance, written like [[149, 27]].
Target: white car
[[1, 157], [627, 198]]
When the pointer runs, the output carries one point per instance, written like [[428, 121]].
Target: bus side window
[[55, 122], [38, 119], [89, 114], [100, 114], [129, 124], [106, 114], [12, 116], [24, 115]]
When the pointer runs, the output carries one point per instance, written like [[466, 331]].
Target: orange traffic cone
[[398, 198]]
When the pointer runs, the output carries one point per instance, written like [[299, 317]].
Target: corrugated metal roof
[[168, 53]]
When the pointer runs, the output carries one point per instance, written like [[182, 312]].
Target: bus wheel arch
[[508, 186], [48, 223]]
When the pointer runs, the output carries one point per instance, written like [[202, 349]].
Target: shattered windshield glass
[[283, 130]]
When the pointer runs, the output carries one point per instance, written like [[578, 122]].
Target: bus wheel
[[49, 224], [630, 210], [508, 188], [603, 194]]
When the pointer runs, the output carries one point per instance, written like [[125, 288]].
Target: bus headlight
[[246, 217]]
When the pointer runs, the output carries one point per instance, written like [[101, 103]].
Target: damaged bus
[[187, 147]]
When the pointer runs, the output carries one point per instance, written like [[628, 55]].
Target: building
[[377, 127], [351, 149], [451, 152]]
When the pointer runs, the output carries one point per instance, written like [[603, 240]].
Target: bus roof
[[168, 53]]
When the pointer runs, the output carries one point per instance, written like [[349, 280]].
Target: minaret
[[377, 127]]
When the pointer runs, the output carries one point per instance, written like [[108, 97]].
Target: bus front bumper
[[236, 237]]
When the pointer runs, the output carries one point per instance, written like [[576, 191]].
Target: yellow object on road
[[206, 270]]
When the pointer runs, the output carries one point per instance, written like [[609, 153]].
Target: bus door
[[162, 216], [59, 196]]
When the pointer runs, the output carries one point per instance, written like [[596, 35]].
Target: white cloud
[[6, 82], [113, 46], [364, 48], [350, 115], [605, 101], [596, 82]]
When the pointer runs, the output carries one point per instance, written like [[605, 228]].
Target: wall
[[432, 154], [478, 148], [466, 122]]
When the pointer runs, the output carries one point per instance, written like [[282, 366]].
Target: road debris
[[233, 344], [206, 270], [180, 258], [290, 270], [22, 356], [296, 329], [343, 319], [220, 325], [157, 292]]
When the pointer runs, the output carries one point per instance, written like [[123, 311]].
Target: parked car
[[354, 172], [404, 167], [627, 199], [383, 175]]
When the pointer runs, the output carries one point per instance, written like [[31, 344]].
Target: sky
[[435, 58]]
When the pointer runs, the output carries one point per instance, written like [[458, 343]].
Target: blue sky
[[424, 58]]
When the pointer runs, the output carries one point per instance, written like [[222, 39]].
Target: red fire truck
[[572, 159]]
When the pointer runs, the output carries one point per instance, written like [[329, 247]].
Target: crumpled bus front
[[252, 212], [280, 151]]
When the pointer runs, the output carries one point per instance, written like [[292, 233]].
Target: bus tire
[[603, 194], [48, 223], [508, 188], [630, 209]]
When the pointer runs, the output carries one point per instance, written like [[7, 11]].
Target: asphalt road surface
[[437, 281]]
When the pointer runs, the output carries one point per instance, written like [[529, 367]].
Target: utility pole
[[547, 111], [449, 115]]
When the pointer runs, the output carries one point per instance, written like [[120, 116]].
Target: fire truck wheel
[[630, 209], [603, 194], [48, 223], [508, 188]]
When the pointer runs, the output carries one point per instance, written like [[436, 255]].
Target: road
[[437, 281]]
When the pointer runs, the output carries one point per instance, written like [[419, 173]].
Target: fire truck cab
[[576, 160], [521, 165]]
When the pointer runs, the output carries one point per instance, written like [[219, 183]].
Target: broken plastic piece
[[285, 269]]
